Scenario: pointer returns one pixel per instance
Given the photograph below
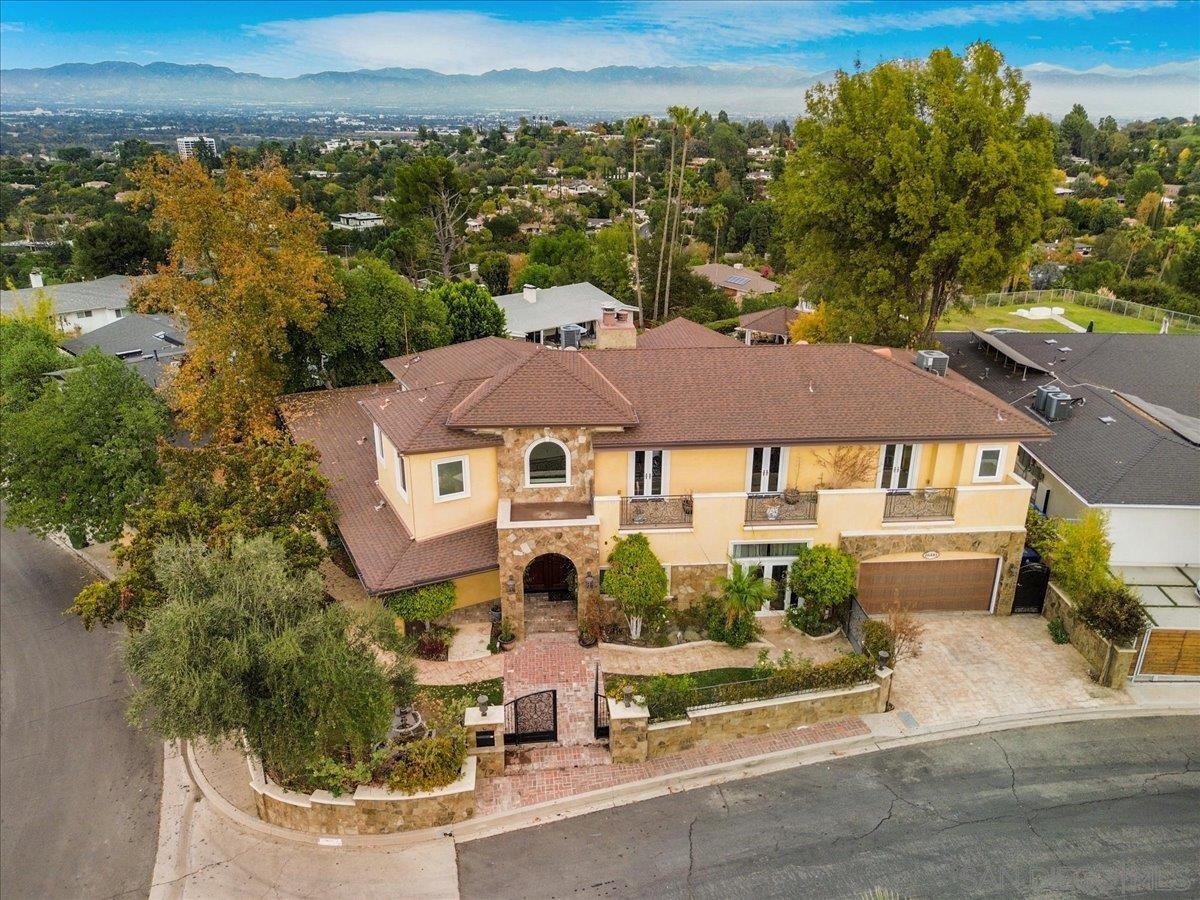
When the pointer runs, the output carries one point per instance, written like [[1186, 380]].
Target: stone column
[[884, 679], [628, 732], [485, 738]]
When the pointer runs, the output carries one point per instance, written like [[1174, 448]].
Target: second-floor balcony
[[919, 505], [657, 512], [785, 508]]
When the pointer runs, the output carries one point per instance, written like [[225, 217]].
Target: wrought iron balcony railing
[[788, 507], [657, 512], [915, 505]]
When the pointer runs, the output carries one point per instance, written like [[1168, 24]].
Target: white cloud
[[12, 26], [671, 32]]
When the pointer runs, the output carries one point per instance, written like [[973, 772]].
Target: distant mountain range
[[771, 91]]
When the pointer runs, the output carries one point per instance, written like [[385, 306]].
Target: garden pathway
[[556, 661]]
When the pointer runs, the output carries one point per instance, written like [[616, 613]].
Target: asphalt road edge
[[706, 776]]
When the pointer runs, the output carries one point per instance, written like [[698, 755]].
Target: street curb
[[633, 792]]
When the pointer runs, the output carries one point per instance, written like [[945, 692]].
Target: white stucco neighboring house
[[79, 306]]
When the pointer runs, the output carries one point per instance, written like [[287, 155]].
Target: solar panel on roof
[[738, 279]]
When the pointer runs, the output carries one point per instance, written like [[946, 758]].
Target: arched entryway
[[551, 587]]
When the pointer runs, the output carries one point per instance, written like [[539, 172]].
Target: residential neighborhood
[[512, 451]]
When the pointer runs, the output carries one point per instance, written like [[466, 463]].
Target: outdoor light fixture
[[883, 659], [627, 693], [511, 586], [482, 700], [589, 580]]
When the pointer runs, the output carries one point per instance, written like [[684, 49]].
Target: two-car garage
[[923, 584]]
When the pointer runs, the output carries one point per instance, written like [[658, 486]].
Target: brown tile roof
[[550, 387], [478, 359], [769, 321], [795, 395], [681, 332], [742, 281], [387, 557], [415, 420]]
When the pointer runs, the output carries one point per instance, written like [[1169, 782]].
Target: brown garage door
[[927, 584], [1172, 651]]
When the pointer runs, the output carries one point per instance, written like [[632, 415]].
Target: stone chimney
[[35, 279], [530, 293], [616, 330]]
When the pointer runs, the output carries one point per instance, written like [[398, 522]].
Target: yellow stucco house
[[511, 468]]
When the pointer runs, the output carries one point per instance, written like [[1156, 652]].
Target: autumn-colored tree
[[245, 263], [813, 327]]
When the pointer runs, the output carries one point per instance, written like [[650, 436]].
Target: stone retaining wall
[[369, 810], [1110, 664], [633, 739]]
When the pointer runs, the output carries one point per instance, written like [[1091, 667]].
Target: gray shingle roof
[[1131, 460], [134, 338], [109, 292], [555, 307]]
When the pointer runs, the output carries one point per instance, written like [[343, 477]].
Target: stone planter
[[1110, 665]]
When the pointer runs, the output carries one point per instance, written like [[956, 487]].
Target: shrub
[[742, 595], [431, 762], [812, 619], [637, 581], [1058, 631], [432, 645], [824, 576], [877, 636], [425, 603], [1114, 611], [1079, 559], [1041, 532], [327, 774], [739, 633]]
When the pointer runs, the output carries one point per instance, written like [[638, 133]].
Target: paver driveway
[[974, 665]]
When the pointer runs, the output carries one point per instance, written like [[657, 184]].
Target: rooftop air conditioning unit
[[1058, 407], [571, 335], [1044, 391], [934, 361]]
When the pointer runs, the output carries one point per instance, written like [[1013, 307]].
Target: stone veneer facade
[[1005, 544], [510, 465], [690, 583], [521, 545]]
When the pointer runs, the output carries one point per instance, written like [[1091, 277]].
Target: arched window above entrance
[[547, 463]]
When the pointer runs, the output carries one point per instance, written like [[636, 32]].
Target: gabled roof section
[[550, 387], [775, 320], [469, 361], [681, 332], [415, 421]]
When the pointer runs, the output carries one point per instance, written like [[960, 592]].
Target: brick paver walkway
[[544, 661], [526, 785]]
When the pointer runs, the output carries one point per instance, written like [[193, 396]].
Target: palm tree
[[743, 594], [634, 128], [673, 113], [719, 216], [687, 119]]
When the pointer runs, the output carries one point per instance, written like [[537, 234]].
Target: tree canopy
[[117, 245], [245, 264], [470, 311], [27, 351], [79, 455], [912, 183]]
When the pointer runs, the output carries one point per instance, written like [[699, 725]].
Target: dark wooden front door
[[551, 574]]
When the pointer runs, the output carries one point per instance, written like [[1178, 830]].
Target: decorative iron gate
[[856, 617], [600, 708], [531, 718]]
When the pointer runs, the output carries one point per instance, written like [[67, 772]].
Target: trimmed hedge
[[1113, 611]]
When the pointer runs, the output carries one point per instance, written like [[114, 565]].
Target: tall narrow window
[[899, 470], [648, 480], [401, 476], [378, 444], [766, 470]]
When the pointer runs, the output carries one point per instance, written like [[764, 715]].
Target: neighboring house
[[737, 281], [357, 220], [540, 314], [767, 326], [81, 306], [151, 345], [679, 333], [511, 468], [595, 224], [1129, 443]]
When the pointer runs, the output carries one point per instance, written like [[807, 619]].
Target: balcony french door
[[766, 470], [777, 572], [648, 480], [899, 469]]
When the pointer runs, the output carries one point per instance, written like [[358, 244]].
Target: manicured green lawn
[[465, 694], [982, 318]]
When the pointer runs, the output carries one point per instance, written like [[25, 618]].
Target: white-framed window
[[401, 475], [648, 473], [898, 466], [547, 463], [451, 479], [766, 470], [771, 560], [989, 464], [378, 443]]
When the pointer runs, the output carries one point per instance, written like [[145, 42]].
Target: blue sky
[[288, 38]]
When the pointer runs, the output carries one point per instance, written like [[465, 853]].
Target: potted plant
[[588, 633], [507, 637], [791, 496], [494, 614]]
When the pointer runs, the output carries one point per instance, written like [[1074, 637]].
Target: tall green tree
[[470, 311], [1145, 180], [635, 127], [117, 245], [494, 271], [911, 184], [1077, 132], [27, 351], [79, 456], [637, 581], [430, 188], [244, 647], [688, 121]]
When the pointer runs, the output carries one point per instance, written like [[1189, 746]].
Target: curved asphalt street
[[1098, 809], [79, 788]]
